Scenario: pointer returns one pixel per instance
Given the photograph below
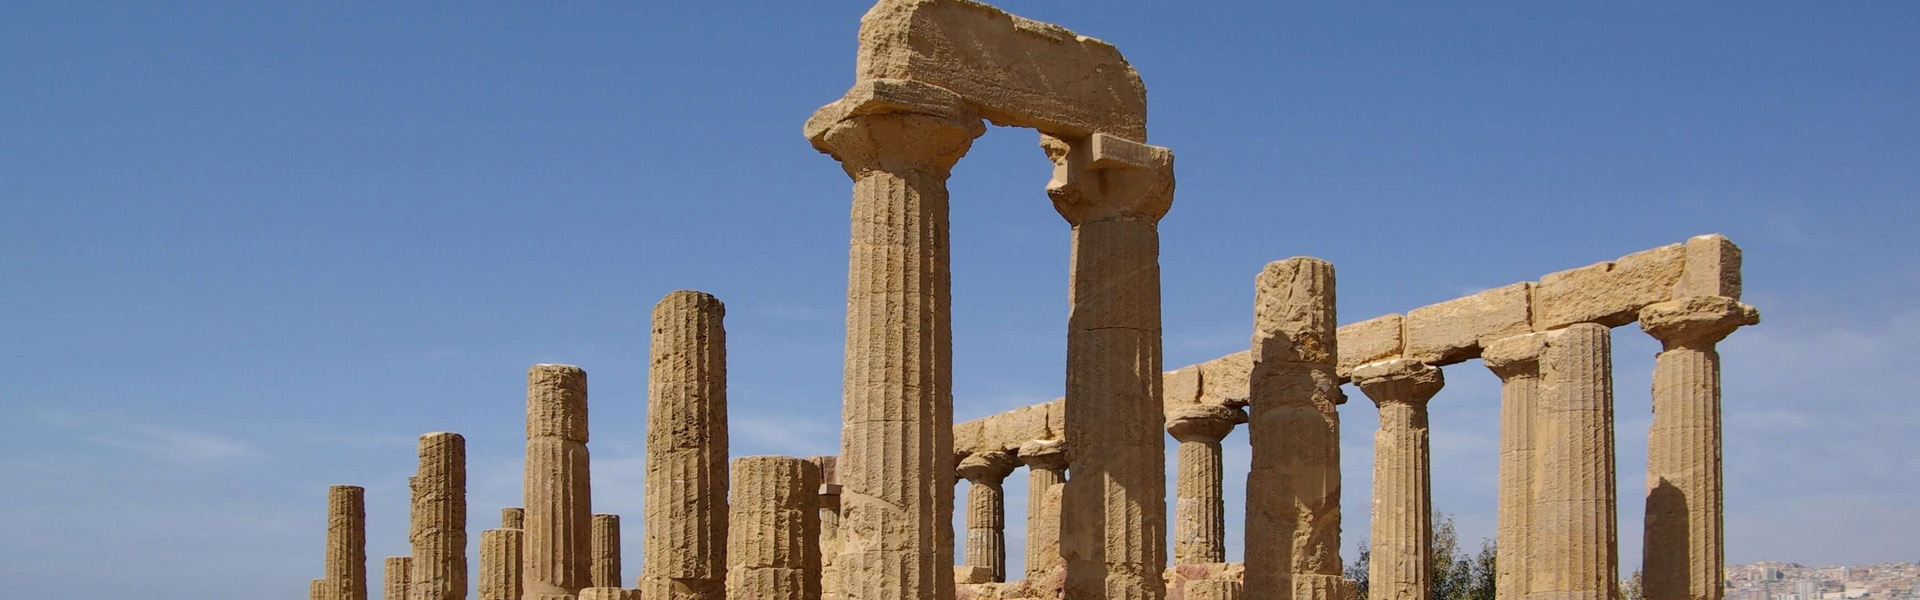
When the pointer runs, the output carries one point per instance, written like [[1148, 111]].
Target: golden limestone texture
[[898, 140], [513, 517], [1113, 192], [773, 550], [345, 572], [1046, 462], [439, 524], [986, 511], [500, 567], [686, 504], [1199, 514], [556, 487], [1293, 486], [1402, 477], [398, 569], [1213, 589], [604, 569], [1573, 530], [1516, 361], [1685, 545], [829, 525]]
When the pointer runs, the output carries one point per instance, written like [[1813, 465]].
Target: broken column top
[[557, 402]]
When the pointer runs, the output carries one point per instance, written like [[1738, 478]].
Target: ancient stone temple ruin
[[875, 522]]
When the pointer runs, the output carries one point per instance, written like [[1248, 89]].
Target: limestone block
[[1005, 431], [501, 551], [1016, 71], [608, 593], [604, 569], [1607, 293], [513, 517], [773, 547], [970, 574], [1224, 379], [1182, 386], [1454, 331], [971, 436], [1213, 589], [1712, 268], [1367, 341], [1178, 576], [398, 569]]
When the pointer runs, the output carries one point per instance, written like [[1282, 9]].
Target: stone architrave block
[[1712, 268], [1224, 380], [1454, 331], [1007, 430], [1367, 341], [1608, 293], [971, 436], [1181, 386]]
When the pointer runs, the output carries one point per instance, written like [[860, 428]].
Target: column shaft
[[1402, 561], [1293, 485], [772, 544], [686, 504], [556, 554], [1046, 462], [1574, 530], [346, 561], [986, 529], [829, 525], [500, 564], [1516, 361], [513, 517], [1199, 515], [439, 524], [604, 570], [398, 569]]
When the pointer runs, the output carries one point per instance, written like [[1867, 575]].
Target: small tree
[[1357, 571]]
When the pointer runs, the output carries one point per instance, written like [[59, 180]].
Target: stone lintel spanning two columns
[[1685, 545], [987, 512], [438, 527], [1113, 191], [1293, 485], [556, 544], [1572, 529], [898, 140], [773, 549], [1516, 361], [1401, 567], [345, 572], [1046, 462], [686, 503], [1199, 514]]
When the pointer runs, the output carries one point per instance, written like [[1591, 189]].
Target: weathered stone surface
[[1454, 331], [346, 559], [513, 517], [439, 523], [1608, 293], [1685, 543], [1712, 268], [1199, 515], [556, 556], [986, 511], [773, 550], [1224, 380], [1293, 486], [829, 525], [608, 593], [500, 564], [604, 567], [1516, 360], [1213, 589], [686, 504], [1374, 339], [1016, 71], [1178, 577], [1402, 477], [1573, 529], [398, 569], [1046, 462]]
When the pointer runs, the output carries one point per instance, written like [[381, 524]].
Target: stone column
[[500, 564], [829, 525], [398, 568], [686, 504], [513, 517], [1402, 478], [1046, 477], [317, 589], [345, 574], [1113, 191], [1516, 360], [898, 140], [1213, 589], [439, 524], [987, 511], [1574, 556], [1685, 548], [1199, 513], [604, 569], [556, 555], [772, 546], [1293, 485]]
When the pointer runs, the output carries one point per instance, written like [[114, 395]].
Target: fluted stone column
[[559, 502], [1574, 527], [1401, 567], [500, 564], [398, 569], [513, 517], [1213, 589], [898, 140], [439, 524], [1685, 546], [317, 589], [1113, 192], [686, 508], [604, 569], [345, 574], [773, 548], [987, 511], [1046, 462], [1199, 513], [1516, 360], [1293, 484], [829, 525]]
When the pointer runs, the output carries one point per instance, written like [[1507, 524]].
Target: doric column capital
[[990, 467], [1515, 356], [1203, 422], [1399, 380], [1696, 321], [1049, 455], [895, 125], [1103, 177]]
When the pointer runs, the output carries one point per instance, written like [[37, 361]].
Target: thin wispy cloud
[[175, 445]]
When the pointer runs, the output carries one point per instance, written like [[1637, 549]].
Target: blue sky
[[250, 250]]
